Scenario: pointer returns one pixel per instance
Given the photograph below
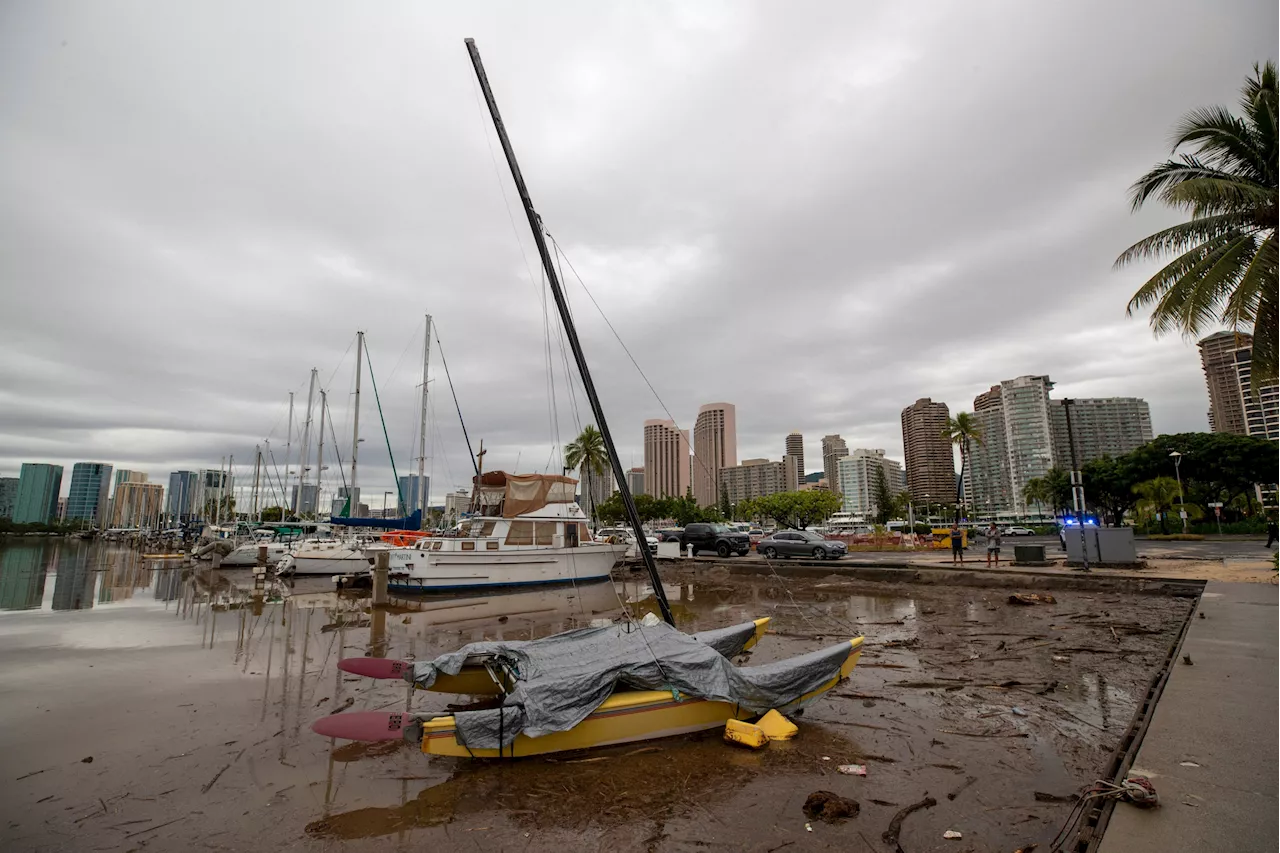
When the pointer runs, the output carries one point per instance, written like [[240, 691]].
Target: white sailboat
[[529, 531]]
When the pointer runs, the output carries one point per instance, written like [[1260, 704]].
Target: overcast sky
[[818, 212]]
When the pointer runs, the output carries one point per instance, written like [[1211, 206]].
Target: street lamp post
[[927, 519], [1177, 472]]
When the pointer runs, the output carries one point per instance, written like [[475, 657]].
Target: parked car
[[755, 534], [1018, 531], [670, 534], [801, 543], [624, 535], [714, 537]]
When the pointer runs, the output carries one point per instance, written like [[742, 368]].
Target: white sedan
[[1018, 531]]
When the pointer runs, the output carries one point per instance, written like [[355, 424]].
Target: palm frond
[[1222, 139], [1195, 302], [1257, 279], [1263, 371], [1182, 237]]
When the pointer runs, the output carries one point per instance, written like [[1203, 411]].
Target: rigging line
[[553, 408], [337, 452], [435, 443], [387, 438], [279, 482], [445, 363], [618, 337], [403, 353], [573, 392], [347, 352]]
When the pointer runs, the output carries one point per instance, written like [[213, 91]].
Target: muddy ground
[[196, 719]]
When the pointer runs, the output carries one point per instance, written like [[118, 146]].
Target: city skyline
[[645, 198]]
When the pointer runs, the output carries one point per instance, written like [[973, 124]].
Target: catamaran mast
[[257, 468], [421, 490], [302, 451], [562, 305], [353, 494]]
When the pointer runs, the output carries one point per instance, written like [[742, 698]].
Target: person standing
[[1272, 534], [957, 544], [993, 544]]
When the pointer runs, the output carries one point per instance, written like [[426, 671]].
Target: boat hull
[[247, 555], [459, 570], [338, 561], [625, 717]]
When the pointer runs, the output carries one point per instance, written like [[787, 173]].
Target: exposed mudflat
[[196, 717]]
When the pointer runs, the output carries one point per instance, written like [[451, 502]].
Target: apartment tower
[[666, 459], [931, 468], [833, 450]]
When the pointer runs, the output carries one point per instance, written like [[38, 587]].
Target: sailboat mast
[[353, 494], [421, 490], [257, 469], [302, 451], [320, 449], [288, 441], [562, 305]]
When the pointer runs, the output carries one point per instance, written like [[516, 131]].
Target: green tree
[[1214, 466], [587, 453], [1037, 492], [1108, 485], [882, 497], [1224, 260], [610, 510], [646, 507], [1160, 495], [799, 510], [962, 431], [1058, 485], [273, 514], [725, 509]]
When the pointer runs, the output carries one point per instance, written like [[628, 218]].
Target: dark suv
[[714, 537]]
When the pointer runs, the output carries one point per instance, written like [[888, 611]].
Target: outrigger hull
[[625, 717]]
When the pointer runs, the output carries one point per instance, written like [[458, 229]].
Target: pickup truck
[[719, 538]]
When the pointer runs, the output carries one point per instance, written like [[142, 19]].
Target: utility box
[[1105, 544], [1028, 554], [668, 549]]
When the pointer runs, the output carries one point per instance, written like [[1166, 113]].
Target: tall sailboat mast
[[562, 305], [353, 493], [302, 451], [421, 490], [324, 399], [288, 442]]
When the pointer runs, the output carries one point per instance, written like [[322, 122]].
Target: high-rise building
[[931, 467], [858, 476], [795, 449], [124, 475], [180, 506], [87, 498], [137, 504], [635, 481], [666, 459], [833, 450], [594, 487], [1016, 446], [310, 499], [1101, 426], [715, 447], [756, 478], [1227, 359], [413, 492], [214, 495], [456, 504], [8, 496]]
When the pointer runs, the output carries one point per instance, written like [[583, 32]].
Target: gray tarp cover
[[563, 678]]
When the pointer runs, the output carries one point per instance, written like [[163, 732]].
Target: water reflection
[[22, 575]]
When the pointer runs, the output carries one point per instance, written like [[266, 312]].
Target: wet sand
[[196, 717]]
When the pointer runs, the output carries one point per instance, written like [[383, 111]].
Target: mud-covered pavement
[[196, 718]]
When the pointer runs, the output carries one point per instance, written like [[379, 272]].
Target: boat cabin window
[[491, 545], [435, 546], [468, 545], [571, 536], [480, 529], [546, 531], [520, 533]]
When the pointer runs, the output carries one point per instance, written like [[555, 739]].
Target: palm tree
[[962, 431], [1158, 495], [587, 453], [1223, 261], [1037, 491]]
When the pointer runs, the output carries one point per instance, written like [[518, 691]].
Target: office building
[[833, 450], [795, 449], [594, 487], [87, 498], [413, 493], [1101, 426], [1227, 359], [715, 447], [124, 475], [60, 513], [931, 467], [859, 472], [346, 502], [137, 504], [666, 459], [1016, 446], [456, 505], [756, 478], [635, 481], [180, 504], [310, 499], [8, 496]]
